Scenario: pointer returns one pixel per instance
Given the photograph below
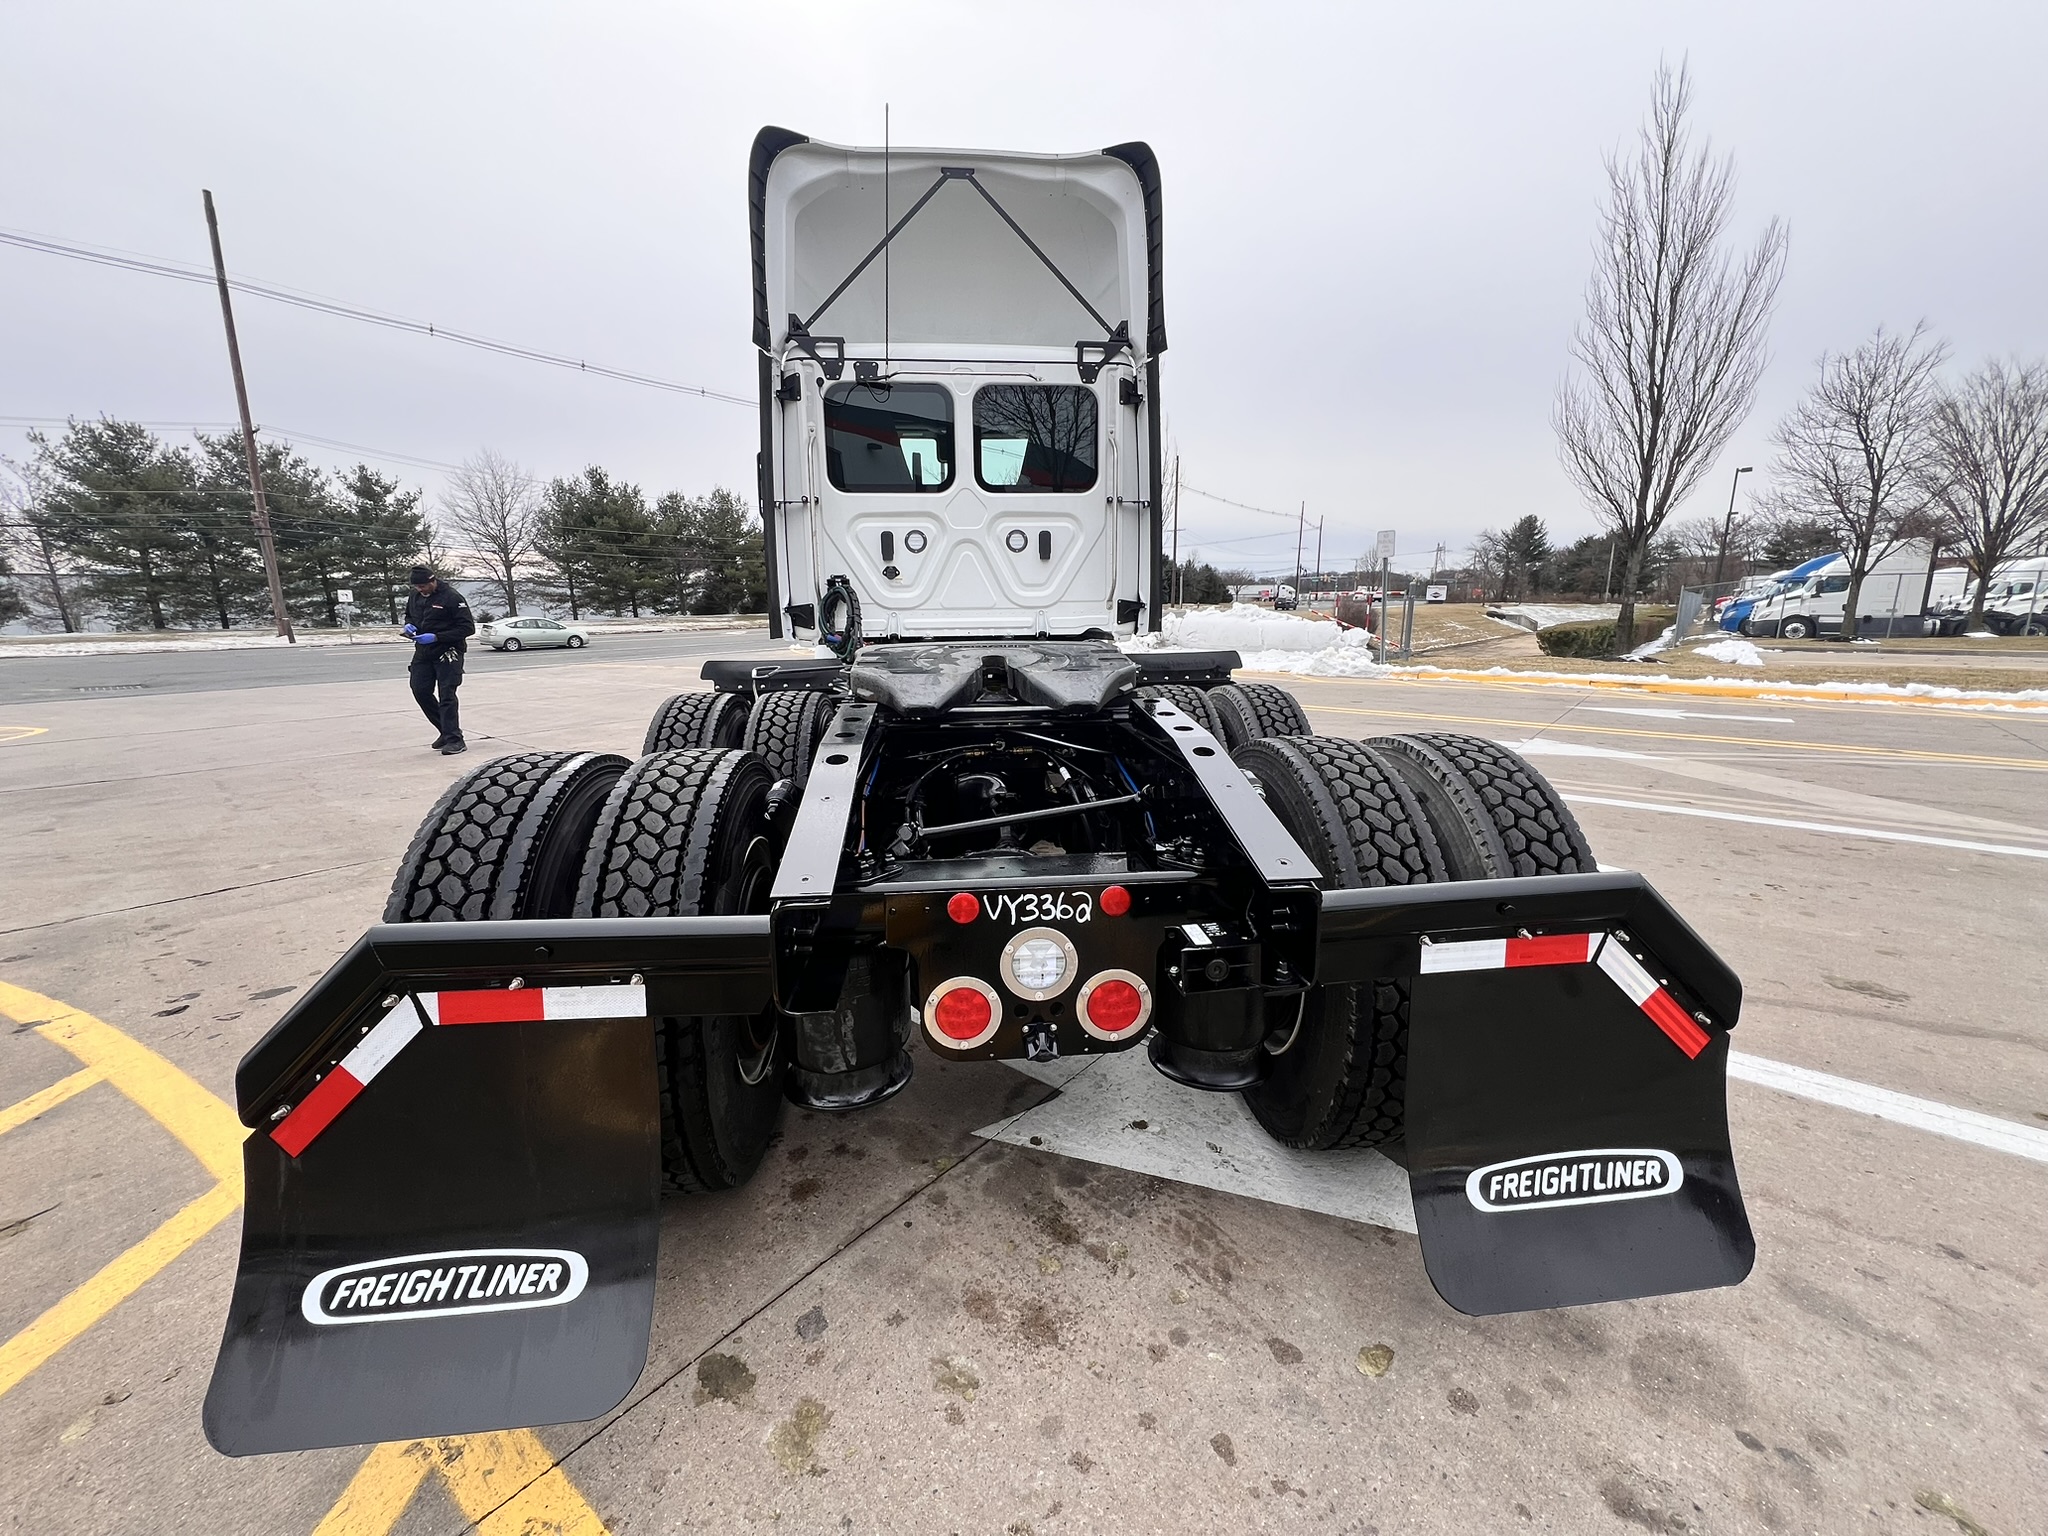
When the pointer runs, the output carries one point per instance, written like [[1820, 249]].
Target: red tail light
[[1115, 901], [963, 1012], [1114, 1005], [963, 907]]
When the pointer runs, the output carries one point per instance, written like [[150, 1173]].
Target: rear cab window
[[1035, 437], [889, 437]]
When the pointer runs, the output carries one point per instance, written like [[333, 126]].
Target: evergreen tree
[[734, 561], [388, 535], [105, 489]]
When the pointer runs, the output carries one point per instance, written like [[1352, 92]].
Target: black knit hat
[[421, 575]]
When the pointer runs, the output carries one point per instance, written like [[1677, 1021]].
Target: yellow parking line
[[508, 1482], [207, 1127], [1979, 759], [31, 1348], [47, 1099], [13, 733]]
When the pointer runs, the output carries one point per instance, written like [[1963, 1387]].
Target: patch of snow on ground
[[1543, 615], [1740, 652], [1244, 627], [1268, 641], [1649, 648]]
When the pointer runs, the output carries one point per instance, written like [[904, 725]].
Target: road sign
[[345, 596], [1386, 549]]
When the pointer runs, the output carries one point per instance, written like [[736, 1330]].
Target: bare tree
[[1673, 343], [1991, 449], [1859, 451], [494, 507]]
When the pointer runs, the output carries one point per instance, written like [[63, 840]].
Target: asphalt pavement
[[984, 1308]]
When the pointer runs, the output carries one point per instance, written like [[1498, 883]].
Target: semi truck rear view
[[972, 829]]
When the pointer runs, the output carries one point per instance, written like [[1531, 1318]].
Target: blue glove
[[423, 639], [410, 629]]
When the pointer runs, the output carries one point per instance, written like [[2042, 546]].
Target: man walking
[[437, 622]]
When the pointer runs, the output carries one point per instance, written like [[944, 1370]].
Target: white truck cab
[[1895, 595], [959, 374]]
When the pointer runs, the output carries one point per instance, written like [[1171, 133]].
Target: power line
[[159, 267], [283, 436], [1242, 506]]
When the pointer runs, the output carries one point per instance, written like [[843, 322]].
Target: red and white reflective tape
[[1598, 949], [532, 1005], [392, 1033]]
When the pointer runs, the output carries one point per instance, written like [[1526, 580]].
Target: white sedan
[[524, 634]]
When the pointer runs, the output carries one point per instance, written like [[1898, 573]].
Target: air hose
[[839, 618]]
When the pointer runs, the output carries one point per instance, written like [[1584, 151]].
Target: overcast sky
[[1377, 217]]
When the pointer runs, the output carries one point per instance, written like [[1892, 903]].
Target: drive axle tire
[[685, 834], [784, 729], [1493, 814], [1190, 700], [505, 841], [697, 720], [1339, 1079], [1254, 711]]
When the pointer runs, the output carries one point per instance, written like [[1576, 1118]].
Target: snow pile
[[1543, 615], [1739, 652], [1268, 641], [1649, 648], [86, 646], [1245, 627]]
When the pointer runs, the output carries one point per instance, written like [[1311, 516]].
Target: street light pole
[[1728, 527]]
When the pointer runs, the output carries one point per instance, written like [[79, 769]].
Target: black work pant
[[439, 674]]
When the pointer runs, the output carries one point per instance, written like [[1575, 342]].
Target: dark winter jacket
[[444, 614]]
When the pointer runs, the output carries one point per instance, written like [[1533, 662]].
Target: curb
[[1702, 688]]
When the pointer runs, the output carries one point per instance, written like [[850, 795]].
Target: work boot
[[453, 747]]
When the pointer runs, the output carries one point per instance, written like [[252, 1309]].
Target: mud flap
[[1567, 1122], [452, 1181], [1566, 1144], [469, 1245]]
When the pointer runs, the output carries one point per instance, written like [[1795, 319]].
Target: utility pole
[[1319, 554], [1728, 527], [1179, 581], [1300, 531], [1436, 562], [261, 512]]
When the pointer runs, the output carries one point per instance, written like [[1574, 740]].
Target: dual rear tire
[[680, 833], [1397, 810]]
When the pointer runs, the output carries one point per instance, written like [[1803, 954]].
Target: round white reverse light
[[1039, 965]]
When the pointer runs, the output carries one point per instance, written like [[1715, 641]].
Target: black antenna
[[885, 232]]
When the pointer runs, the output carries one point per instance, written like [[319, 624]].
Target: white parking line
[[1681, 714], [1922, 1114], [2010, 850], [1117, 1111]]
